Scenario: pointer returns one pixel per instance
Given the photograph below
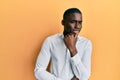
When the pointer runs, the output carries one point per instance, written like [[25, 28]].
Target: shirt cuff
[[75, 59]]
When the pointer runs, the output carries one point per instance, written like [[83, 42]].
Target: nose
[[77, 25]]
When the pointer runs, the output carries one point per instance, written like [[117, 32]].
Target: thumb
[[76, 35]]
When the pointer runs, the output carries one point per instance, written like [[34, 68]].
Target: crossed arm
[[81, 67], [85, 64]]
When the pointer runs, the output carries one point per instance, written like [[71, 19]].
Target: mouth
[[73, 31], [76, 31]]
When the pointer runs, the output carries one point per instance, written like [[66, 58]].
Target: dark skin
[[72, 26]]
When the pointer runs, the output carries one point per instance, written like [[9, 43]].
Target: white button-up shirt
[[63, 66]]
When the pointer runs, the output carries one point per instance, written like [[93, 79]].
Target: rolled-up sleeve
[[82, 66]]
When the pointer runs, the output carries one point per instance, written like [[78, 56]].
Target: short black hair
[[70, 11]]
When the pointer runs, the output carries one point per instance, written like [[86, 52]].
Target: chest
[[60, 52]]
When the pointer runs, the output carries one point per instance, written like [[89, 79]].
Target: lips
[[76, 30]]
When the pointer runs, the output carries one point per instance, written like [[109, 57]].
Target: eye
[[72, 21], [80, 22]]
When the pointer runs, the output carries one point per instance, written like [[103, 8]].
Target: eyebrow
[[76, 20]]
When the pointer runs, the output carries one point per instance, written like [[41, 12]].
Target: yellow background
[[24, 24]]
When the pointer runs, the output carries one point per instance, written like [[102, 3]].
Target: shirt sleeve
[[42, 63], [82, 66]]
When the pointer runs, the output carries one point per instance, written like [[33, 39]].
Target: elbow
[[84, 76], [37, 74]]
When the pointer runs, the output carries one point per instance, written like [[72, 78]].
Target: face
[[72, 23]]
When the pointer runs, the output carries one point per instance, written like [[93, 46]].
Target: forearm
[[73, 51], [79, 69], [42, 74], [81, 65]]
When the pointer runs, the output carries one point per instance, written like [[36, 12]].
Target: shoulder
[[54, 37], [84, 41]]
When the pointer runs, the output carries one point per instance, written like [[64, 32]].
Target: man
[[70, 54]]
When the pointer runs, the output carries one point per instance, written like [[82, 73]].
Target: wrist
[[73, 52]]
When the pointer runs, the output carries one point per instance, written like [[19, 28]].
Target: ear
[[63, 22]]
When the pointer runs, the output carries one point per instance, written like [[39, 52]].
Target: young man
[[69, 53]]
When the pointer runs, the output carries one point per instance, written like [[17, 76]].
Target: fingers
[[71, 35], [76, 35], [75, 78]]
